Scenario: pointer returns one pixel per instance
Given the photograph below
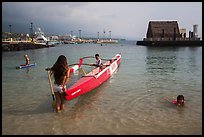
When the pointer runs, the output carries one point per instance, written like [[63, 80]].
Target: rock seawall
[[22, 46]]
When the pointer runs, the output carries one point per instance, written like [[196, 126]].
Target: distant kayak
[[25, 66]]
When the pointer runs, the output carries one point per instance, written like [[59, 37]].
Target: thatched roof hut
[[163, 30]]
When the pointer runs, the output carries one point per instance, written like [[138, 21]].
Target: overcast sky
[[127, 20]]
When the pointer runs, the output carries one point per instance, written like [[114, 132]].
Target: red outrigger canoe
[[93, 79]]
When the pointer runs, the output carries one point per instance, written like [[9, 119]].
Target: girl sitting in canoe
[[61, 73]]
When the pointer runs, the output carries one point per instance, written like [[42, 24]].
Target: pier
[[95, 41], [170, 43]]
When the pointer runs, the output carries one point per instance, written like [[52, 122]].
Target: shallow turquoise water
[[130, 102]]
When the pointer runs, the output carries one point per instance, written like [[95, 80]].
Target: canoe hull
[[93, 79]]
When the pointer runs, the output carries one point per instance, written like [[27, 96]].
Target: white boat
[[40, 36]]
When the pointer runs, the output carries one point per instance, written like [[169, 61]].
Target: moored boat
[[93, 79]]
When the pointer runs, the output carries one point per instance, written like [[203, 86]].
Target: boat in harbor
[[108, 41], [93, 79], [40, 37]]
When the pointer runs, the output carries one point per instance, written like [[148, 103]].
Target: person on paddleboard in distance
[[61, 73], [27, 59]]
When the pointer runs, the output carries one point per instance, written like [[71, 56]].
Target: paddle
[[51, 88], [81, 64], [87, 57], [94, 57], [81, 60]]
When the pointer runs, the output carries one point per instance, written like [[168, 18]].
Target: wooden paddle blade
[[53, 104], [52, 91]]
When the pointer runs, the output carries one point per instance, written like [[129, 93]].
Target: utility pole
[[104, 34], [10, 28], [10, 32], [31, 31], [110, 34], [79, 33], [98, 35]]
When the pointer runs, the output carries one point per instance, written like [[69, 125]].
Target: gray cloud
[[125, 20]]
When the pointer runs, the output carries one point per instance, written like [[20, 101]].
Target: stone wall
[[22, 46]]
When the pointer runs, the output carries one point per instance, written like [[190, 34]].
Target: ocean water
[[131, 102]]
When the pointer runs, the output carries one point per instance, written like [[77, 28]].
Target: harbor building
[[167, 33], [162, 30], [183, 32], [195, 31]]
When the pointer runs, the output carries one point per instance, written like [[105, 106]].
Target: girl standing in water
[[61, 73]]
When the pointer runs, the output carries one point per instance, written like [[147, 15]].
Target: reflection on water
[[160, 65]]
